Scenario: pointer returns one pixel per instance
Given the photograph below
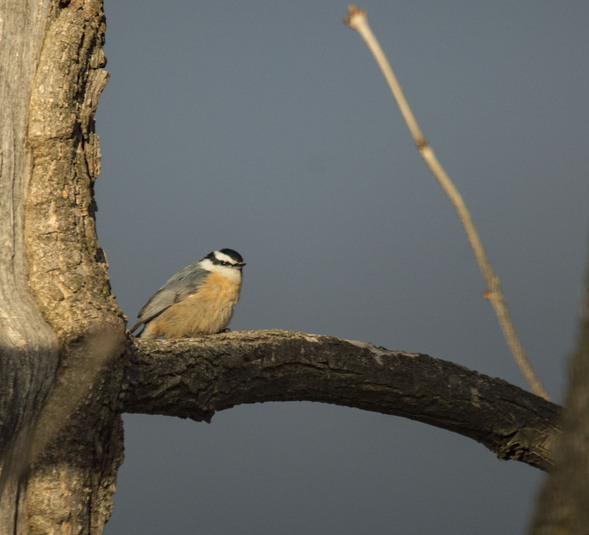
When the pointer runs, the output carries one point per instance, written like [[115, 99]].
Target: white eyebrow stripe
[[223, 257]]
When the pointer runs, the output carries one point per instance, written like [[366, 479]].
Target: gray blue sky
[[267, 127]]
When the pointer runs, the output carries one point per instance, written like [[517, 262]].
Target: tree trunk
[[61, 330], [563, 504]]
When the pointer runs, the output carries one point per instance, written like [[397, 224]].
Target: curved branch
[[195, 378]]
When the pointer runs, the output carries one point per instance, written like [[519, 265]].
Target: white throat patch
[[231, 272]]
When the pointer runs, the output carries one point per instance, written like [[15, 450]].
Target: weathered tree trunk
[[61, 330], [28, 350], [563, 504]]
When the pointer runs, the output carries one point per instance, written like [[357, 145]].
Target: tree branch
[[195, 378], [357, 20]]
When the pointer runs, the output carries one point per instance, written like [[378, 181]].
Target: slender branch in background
[[357, 20]]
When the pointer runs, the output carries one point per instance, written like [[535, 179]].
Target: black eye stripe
[[222, 262], [234, 259]]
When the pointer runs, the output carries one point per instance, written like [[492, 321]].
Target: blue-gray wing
[[180, 285]]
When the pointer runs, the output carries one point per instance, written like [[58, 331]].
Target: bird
[[197, 300]]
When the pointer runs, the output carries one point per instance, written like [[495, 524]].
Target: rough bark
[[62, 329], [193, 379]]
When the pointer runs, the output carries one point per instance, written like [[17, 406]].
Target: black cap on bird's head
[[226, 257]]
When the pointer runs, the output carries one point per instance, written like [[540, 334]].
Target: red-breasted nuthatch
[[198, 299]]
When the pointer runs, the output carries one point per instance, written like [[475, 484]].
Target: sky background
[[267, 127]]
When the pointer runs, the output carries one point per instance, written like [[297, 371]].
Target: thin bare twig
[[357, 20]]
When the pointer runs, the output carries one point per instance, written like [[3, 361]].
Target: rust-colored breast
[[208, 311]]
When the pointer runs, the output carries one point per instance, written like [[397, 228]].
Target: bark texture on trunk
[[62, 334], [28, 346]]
